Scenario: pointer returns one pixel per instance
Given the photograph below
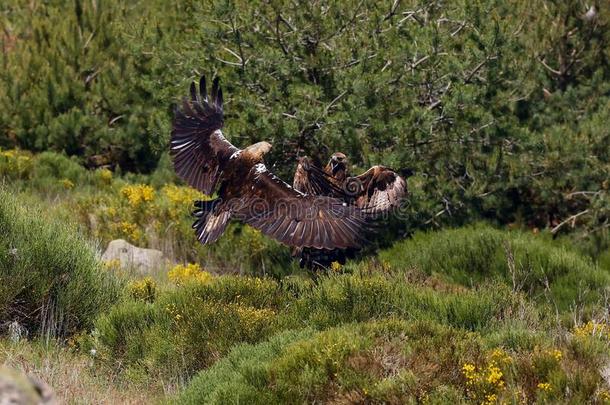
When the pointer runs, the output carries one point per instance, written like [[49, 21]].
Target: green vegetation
[[392, 361], [525, 316], [52, 282], [327, 333], [490, 286], [500, 107], [535, 265]]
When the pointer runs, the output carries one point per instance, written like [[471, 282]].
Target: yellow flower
[[181, 274], [105, 175], [138, 194], [483, 384], [557, 355], [494, 375], [490, 399], [544, 386], [68, 185], [335, 266], [593, 328], [500, 356], [144, 290], [468, 368], [130, 230], [469, 371], [182, 195]]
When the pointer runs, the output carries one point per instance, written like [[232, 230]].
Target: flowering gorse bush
[[192, 272], [15, 164], [483, 383], [143, 290], [595, 329], [138, 194]]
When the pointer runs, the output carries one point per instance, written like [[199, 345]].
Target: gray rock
[[16, 388], [143, 261]]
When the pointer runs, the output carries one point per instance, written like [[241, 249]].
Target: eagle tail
[[313, 259], [210, 221]]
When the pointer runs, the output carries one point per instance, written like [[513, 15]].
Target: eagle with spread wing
[[247, 191], [377, 191]]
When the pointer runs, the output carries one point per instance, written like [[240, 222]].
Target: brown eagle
[[377, 191], [246, 189]]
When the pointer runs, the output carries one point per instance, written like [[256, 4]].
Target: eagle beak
[[334, 165]]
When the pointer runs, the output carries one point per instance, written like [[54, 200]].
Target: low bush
[[51, 280], [533, 264], [348, 298], [187, 329], [394, 361]]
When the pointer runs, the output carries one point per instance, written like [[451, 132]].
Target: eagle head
[[304, 162], [258, 150], [338, 162]]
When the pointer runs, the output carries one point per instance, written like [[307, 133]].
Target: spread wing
[[295, 219], [377, 190], [197, 147], [310, 178], [381, 189]]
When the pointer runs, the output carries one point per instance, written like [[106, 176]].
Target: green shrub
[[526, 262], [187, 329], [241, 376], [49, 169], [346, 298], [393, 361], [52, 282]]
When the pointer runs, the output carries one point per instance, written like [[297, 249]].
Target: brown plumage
[[246, 190], [310, 178], [377, 191], [337, 167]]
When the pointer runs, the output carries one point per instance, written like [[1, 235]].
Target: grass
[[52, 282], [75, 377], [468, 256]]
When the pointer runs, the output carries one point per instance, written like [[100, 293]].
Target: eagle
[[377, 191], [246, 190]]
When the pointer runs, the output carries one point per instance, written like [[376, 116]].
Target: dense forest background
[[501, 108], [491, 285]]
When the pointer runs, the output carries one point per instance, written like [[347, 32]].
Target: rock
[[17, 388], [16, 332], [143, 261]]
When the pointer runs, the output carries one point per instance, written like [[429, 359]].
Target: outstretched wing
[[295, 219], [197, 147], [381, 189], [310, 178]]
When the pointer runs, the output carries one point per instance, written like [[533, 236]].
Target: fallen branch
[[571, 218]]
